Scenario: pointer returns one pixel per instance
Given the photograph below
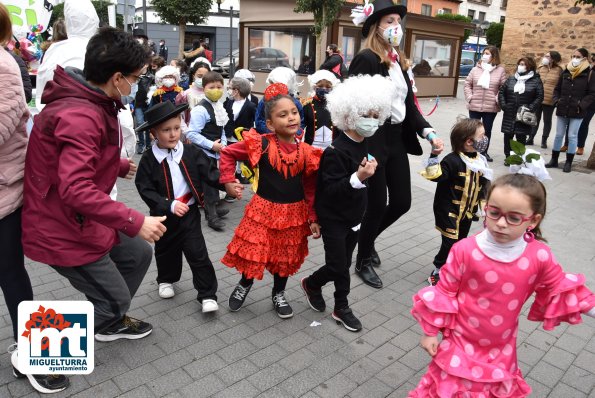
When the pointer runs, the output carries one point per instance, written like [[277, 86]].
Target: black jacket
[[245, 118], [144, 84], [24, 75], [336, 200], [331, 62], [154, 184], [368, 63], [315, 116], [510, 102], [574, 96]]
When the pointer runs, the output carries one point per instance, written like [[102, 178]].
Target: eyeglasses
[[136, 77], [512, 218]]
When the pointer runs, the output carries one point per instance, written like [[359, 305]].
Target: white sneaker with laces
[[166, 290], [209, 305]]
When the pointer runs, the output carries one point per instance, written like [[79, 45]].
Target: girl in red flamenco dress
[[483, 285], [280, 217]]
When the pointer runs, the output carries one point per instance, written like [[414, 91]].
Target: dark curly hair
[[197, 66], [110, 51]]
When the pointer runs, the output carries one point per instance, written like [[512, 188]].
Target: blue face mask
[[321, 92]]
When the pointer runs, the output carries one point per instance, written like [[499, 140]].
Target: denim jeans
[[573, 124], [144, 139]]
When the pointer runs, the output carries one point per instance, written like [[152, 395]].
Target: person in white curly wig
[[288, 77], [319, 130], [357, 97], [166, 80], [358, 105]]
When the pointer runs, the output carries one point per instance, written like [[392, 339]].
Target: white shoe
[[166, 290], [209, 305]]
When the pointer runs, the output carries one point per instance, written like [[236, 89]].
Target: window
[[447, 10], [426, 9], [290, 47], [482, 16], [502, 19], [350, 44], [433, 57], [471, 13], [504, 4]]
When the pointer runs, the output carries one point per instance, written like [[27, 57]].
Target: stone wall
[[535, 26]]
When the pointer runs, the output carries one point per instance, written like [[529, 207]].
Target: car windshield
[[235, 54]]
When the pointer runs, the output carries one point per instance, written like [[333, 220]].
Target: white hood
[[82, 22], [80, 18]]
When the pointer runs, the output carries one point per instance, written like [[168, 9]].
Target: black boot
[[530, 140], [364, 269], [554, 161], [544, 142], [213, 220], [568, 164], [221, 210], [375, 257]]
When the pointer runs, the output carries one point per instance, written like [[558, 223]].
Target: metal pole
[[145, 17], [126, 16], [231, 59], [478, 32]]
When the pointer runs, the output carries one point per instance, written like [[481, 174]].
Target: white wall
[[493, 11]]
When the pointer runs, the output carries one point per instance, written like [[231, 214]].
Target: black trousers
[[522, 138], [14, 279], [184, 236], [339, 242], [211, 193], [464, 227], [545, 111], [394, 175], [487, 118]]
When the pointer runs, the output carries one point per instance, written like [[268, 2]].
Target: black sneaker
[[128, 328], [236, 300], [434, 278], [314, 299], [346, 318], [45, 384], [282, 306]]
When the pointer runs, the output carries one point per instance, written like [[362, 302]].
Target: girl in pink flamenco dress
[[482, 288]]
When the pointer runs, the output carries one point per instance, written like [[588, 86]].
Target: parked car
[[267, 58], [221, 65], [466, 65], [440, 67]]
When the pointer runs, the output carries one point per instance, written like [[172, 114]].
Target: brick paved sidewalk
[[255, 353]]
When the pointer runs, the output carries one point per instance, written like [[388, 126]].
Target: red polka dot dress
[[274, 230], [476, 305]]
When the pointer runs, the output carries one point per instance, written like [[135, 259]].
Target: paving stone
[[559, 358], [240, 389], [236, 371], [205, 386], [268, 355], [136, 377], [546, 374], [338, 386], [106, 389], [563, 390], [204, 366], [371, 389], [269, 377]]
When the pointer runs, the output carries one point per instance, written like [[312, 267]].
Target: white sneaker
[[166, 290], [209, 305]]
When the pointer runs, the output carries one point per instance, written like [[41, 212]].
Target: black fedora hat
[[159, 113], [382, 8], [139, 33]]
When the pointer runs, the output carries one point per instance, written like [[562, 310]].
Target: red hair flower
[[274, 90]]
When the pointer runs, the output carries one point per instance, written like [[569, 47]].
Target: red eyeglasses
[[512, 218]]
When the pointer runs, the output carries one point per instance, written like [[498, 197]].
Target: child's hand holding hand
[[437, 146], [430, 344], [366, 169], [180, 209], [315, 229], [234, 189], [131, 170], [217, 146]]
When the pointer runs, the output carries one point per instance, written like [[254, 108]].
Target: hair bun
[[274, 90]]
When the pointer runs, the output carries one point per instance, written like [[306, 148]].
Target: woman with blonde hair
[[481, 90], [396, 136], [15, 282]]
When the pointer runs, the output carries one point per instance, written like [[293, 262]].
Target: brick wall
[[535, 26]]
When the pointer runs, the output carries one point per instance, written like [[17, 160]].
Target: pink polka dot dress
[[476, 306]]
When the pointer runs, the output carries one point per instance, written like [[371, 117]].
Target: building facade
[[535, 27], [486, 10], [431, 8]]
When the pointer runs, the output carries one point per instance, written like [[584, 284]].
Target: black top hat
[[159, 113], [140, 33], [382, 8]]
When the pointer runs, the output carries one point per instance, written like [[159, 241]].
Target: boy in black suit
[[357, 107]]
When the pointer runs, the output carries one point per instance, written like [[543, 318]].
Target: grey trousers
[[111, 281]]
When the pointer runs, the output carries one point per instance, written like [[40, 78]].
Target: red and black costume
[[273, 233]]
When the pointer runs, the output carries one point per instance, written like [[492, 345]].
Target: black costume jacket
[[459, 194], [154, 183]]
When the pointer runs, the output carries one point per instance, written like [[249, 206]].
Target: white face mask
[[576, 61], [521, 68], [486, 58], [545, 61], [168, 82], [198, 83], [393, 35], [229, 93], [366, 126]]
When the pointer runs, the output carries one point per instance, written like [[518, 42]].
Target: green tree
[[325, 12], [494, 34], [585, 2], [457, 18], [182, 12], [100, 8]]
